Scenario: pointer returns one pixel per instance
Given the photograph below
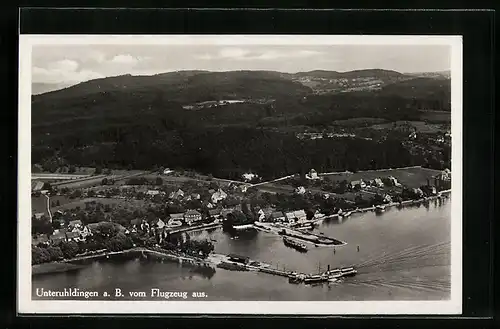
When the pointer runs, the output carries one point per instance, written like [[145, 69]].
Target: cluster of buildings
[[377, 182], [75, 231], [324, 135], [216, 196], [292, 217]]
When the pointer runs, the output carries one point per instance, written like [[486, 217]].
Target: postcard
[[240, 174]]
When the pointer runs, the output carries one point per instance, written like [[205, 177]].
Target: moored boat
[[348, 271], [316, 279], [294, 244], [380, 209]]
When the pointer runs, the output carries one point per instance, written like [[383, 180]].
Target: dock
[[241, 263], [298, 234]]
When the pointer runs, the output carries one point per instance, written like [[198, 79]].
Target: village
[[158, 209]]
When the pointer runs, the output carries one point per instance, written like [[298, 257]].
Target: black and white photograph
[[240, 174]]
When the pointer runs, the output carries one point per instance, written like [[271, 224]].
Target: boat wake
[[413, 268]]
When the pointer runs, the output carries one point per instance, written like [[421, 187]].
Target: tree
[[104, 181], [55, 253], [69, 249], [39, 255], [119, 242], [159, 181], [41, 226], [58, 203], [98, 170], [106, 229], [71, 169], [75, 194]]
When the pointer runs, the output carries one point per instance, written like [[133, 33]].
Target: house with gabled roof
[[192, 216], [264, 214], [378, 182], [159, 223], [290, 217], [75, 223], [73, 236], [177, 194], [278, 216], [300, 215], [219, 195]]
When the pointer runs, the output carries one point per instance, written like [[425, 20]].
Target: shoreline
[[403, 203], [212, 260], [67, 265]]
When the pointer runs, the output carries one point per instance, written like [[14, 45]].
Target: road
[[57, 176]]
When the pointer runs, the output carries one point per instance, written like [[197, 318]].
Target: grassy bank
[[58, 267]]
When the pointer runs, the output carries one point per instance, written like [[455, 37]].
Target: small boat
[[380, 209], [348, 271], [347, 214], [294, 244]]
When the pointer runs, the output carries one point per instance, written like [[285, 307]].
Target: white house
[[300, 190], [378, 182], [312, 175], [192, 217], [359, 183], [152, 192], [167, 171], [290, 217], [387, 198], [277, 216], [249, 176]]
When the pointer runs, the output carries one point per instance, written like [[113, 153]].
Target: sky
[[70, 64]]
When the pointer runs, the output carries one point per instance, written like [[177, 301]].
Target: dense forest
[[139, 122]]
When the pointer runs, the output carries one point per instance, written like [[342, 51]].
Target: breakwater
[[196, 228]]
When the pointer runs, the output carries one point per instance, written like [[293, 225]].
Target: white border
[[28, 306]]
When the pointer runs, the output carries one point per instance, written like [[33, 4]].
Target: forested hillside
[[139, 122]]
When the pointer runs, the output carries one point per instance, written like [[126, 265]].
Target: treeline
[[229, 152]]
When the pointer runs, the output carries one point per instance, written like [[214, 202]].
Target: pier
[[241, 263], [299, 234]]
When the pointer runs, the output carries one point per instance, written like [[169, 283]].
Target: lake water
[[404, 254]]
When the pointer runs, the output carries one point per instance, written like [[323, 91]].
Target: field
[[118, 175], [411, 177], [436, 116], [111, 201], [420, 126], [357, 122]]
